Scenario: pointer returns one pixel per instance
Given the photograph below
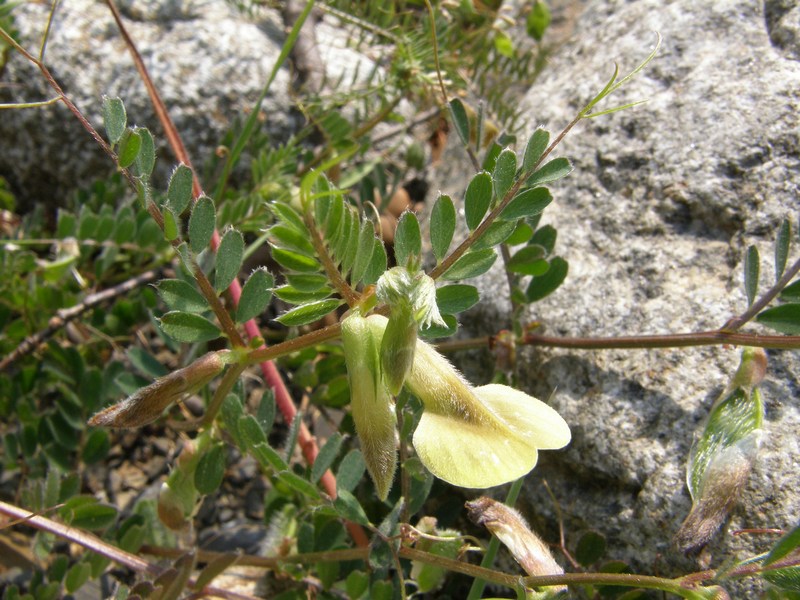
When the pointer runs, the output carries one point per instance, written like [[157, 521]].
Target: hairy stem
[[20, 516]]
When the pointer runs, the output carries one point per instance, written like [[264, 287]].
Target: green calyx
[[371, 405], [412, 303]]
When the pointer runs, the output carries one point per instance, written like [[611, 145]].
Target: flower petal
[[470, 454], [527, 416], [475, 437]]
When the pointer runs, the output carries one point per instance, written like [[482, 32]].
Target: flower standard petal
[[527, 415]]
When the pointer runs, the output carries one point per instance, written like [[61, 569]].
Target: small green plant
[[330, 529]]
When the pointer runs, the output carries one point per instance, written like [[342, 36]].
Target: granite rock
[[208, 60], [654, 221]]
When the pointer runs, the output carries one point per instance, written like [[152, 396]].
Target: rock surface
[[188, 50], [209, 61], [654, 221]]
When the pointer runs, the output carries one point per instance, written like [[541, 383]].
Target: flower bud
[[147, 404], [370, 403], [412, 302], [507, 524], [722, 457], [724, 478], [177, 498]]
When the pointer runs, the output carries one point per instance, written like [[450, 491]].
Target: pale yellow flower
[[475, 437]]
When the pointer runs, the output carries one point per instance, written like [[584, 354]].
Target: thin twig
[[673, 340], [637, 342], [767, 297], [491, 575], [69, 104], [94, 544], [65, 315], [423, 117]]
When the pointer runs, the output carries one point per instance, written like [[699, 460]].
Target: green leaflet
[[751, 274], [527, 203], [294, 261], [256, 294], [350, 472], [290, 238], [536, 146], [202, 223], [210, 470], [497, 233], [307, 282], [188, 327], [114, 119], [146, 159], [180, 295], [294, 296], [550, 171], [544, 285], [230, 255], [477, 199], [443, 225], [460, 119], [471, 264], [456, 298], [366, 244], [129, 147], [407, 240], [784, 318], [782, 248], [179, 192], [308, 313], [504, 171], [327, 454]]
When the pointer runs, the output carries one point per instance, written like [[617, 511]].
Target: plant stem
[[680, 586], [636, 342], [95, 544]]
